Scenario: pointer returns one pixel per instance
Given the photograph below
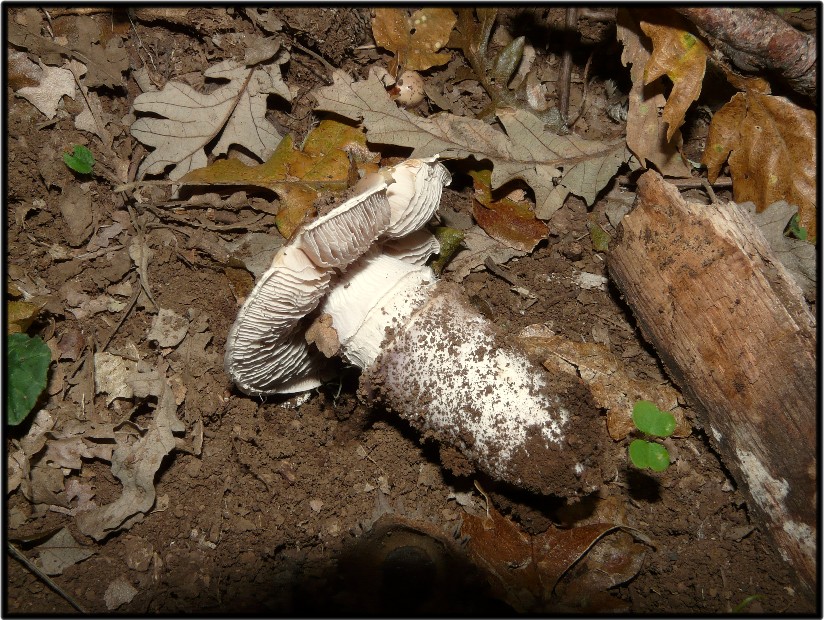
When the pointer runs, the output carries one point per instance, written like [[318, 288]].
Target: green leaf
[[28, 360], [651, 420], [796, 230], [740, 607], [645, 454], [450, 240], [81, 160]]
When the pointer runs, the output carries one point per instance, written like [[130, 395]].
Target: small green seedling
[[28, 360], [794, 229], [740, 607], [81, 160], [650, 420]]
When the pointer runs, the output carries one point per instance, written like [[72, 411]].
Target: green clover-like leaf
[[28, 360], [81, 160], [646, 454], [651, 420]]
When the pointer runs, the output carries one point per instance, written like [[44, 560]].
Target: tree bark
[[757, 39], [736, 335]]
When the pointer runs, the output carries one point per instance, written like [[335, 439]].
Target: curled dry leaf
[[799, 257], [771, 146], [477, 247], [105, 64], [509, 220], [552, 165], [414, 39], [297, 175], [135, 463], [168, 328], [189, 120], [523, 570], [681, 56], [646, 129]]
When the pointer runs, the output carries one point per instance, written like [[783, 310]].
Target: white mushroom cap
[[266, 352], [376, 295]]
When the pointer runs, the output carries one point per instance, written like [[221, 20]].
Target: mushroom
[[359, 272]]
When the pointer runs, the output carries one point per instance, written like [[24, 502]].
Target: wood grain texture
[[736, 335]]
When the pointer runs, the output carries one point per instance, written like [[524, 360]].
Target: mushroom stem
[[430, 357]]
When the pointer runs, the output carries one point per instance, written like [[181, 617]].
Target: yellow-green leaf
[[20, 314], [297, 176], [679, 55], [509, 219]]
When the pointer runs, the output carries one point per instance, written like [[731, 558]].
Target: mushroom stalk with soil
[[354, 283]]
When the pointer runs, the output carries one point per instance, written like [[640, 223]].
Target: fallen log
[[734, 332]]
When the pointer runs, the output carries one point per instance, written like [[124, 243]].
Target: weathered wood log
[[735, 333]]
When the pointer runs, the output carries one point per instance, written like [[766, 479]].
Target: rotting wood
[[736, 335]]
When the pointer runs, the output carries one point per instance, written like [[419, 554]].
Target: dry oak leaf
[[54, 83], [416, 39], [134, 464], [507, 219], [523, 570], [297, 176], [552, 165], [105, 65], [679, 55], [646, 129], [771, 146], [190, 120]]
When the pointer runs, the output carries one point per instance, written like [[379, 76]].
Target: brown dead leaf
[[771, 146], [523, 570], [135, 464], [509, 219], [184, 122], [680, 55], [646, 129], [296, 175], [53, 85], [612, 387], [60, 551], [552, 165], [416, 39]]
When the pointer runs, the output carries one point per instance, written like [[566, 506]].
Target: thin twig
[[329, 67], [582, 107], [690, 183], [48, 580], [565, 76], [128, 311], [597, 16], [140, 42]]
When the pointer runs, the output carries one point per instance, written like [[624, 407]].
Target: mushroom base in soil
[[426, 354]]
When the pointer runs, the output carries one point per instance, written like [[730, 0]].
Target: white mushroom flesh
[[378, 294]]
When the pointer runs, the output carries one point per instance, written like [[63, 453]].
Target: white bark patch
[[804, 534], [769, 492]]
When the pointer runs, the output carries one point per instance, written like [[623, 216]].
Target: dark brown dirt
[[276, 514]]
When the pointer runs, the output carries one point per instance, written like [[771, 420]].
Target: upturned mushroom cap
[[266, 352]]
